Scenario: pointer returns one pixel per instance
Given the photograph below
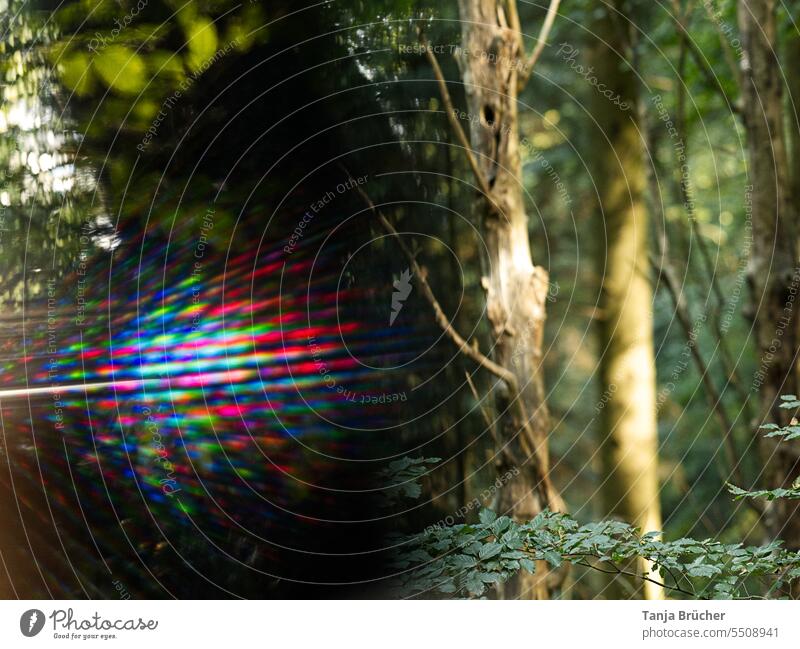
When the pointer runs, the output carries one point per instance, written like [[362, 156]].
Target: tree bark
[[629, 434], [772, 273], [516, 290]]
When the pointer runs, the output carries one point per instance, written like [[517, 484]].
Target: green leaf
[[475, 585], [512, 539], [500, 525], [76, 73], [412, 489], [538, 521], [486, 516], [514, 554], [490, 550], [473, 548], [528, 565], [201, 39], [121, 69], [490, 577], [703, 571], [553, 558], [464, 561]]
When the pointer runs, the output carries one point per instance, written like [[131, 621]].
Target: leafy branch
[[402, 475], [788, 433], [792, 493], [466, 560]]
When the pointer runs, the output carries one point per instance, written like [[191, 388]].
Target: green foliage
[[402, 478], [201, 39], [122, 69], [789, 401], [467, 560], [145, 54], [788, 433], [769, 494]]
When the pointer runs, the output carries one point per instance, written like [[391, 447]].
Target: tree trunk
[[516, 290], [629, 435], [772, 273]]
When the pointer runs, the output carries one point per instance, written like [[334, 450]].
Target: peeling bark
[[516, 290]]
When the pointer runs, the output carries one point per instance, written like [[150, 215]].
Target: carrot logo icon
[[31, 622], [402, 289]]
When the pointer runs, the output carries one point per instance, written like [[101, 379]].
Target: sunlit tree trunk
[[516, 290], [627, 366], [773, 273]]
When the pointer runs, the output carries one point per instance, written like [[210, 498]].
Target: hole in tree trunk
[[488, 115]]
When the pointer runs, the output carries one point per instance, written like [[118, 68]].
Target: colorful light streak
[[193, 397]]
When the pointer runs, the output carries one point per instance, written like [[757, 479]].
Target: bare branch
[[682, 183], [441, 319], [544, 32], [707, 71], [526, 437], [490, 425], [663, 267], [515, 25]]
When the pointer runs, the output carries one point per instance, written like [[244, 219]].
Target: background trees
[[629, 435], [773, 270]]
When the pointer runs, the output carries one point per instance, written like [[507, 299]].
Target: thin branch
[[725, 44], [669, 571], [708, 72], [663, 268], [627, 573], [618, 571], [544, 32], [490, 425], [486, 418], [714, 398], [441, 319], [516, 26], [728, 366], [527, 438], [451, 117]]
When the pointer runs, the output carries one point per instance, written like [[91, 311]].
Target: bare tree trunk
[[627, 364], [773, 271], [516, 289]]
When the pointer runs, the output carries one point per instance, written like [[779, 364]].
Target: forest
[[377, 299]]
